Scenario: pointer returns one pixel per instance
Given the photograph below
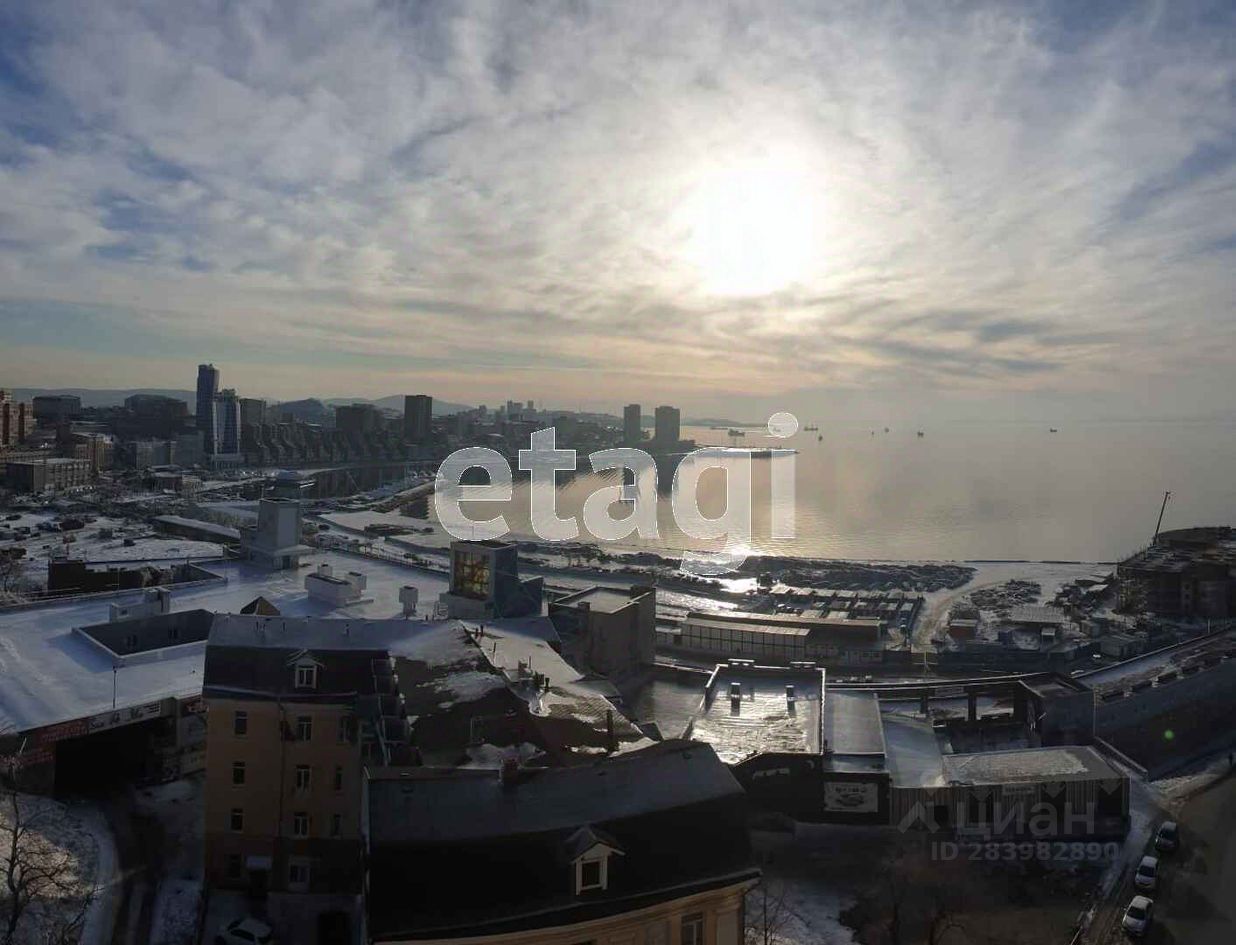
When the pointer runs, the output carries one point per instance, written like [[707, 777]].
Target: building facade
[[667, 427], [632, 425], [52, 473], [485, 582], [417, 417], [16, 420], [609, 631], [207, 388]]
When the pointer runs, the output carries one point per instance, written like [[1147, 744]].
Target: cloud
[[1032, 196]]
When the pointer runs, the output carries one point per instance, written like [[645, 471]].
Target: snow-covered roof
[[48, 674]]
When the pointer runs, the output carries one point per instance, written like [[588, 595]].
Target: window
[[302, 777], [338, 777], [233, 865], [693, 929], [345, 729], [590, 875], [300, 824], [240, 723], [306, 676], [336, 824], [238, 772], [298, 873], [238, 819], [304, 728]]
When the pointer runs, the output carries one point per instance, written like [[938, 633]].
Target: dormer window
[[589, 851], [306, 676], [592, 873]]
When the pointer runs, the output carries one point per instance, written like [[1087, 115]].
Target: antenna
[[1162, 509]]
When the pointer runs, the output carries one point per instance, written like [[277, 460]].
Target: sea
[[960, 491]]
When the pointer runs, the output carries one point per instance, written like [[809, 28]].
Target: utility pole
[[1162, 509]]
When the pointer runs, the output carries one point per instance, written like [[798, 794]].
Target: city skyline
[[972, 211]]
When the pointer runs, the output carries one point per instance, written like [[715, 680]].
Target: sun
[[752, 227]]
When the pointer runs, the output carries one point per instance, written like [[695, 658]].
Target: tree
[[766, 915], [43, 898]]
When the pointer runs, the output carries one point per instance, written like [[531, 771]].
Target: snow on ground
[[56, 832], [178, 808], [100, 920], [1050, 575], [174, 919]]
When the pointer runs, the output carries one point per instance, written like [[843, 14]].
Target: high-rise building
[[417, 417], [632, 425], [226, 423], [207, 389], [16, 420], [667, 425], [252, 413], [52, 410], [358, 418]]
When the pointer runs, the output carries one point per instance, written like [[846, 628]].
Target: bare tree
[[40, 881], [766, 915]]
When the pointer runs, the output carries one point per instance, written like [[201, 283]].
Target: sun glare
[[752, 228]]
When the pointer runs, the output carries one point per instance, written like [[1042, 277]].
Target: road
[[1197, 903]]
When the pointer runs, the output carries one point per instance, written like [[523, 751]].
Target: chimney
[[509, 773]]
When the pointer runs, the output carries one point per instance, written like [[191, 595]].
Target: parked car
[[245, 931], [1137, 916], [1168, 837], [1147, 875]]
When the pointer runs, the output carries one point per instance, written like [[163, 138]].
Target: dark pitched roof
[[267, 673], [260, 606], [461, 853]]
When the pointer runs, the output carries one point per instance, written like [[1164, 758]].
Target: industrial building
[[53, 473], [606, 630], [781, 638], [820, 753], [275, 541]]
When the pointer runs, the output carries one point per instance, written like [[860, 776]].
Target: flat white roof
[[48, 674]]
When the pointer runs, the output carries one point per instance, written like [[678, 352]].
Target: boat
[[1053, 430], [920, 433], [810, 428], [886, 429], [820, 438], [734, 432]]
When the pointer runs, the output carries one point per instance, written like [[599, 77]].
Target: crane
[[1162, 509]]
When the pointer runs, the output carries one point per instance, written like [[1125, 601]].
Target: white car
[[1137, 916], [1168, 837], [247, 931], [1147, 875]]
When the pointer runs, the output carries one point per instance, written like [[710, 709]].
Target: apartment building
[[647, 847], [289, 730]]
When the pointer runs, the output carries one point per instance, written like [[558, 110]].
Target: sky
[[964, 209]]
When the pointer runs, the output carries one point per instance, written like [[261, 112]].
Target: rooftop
[[600, 599], [764, 719], [1068, 763], [48, 674]]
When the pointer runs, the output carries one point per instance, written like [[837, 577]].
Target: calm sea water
[[964, 491]]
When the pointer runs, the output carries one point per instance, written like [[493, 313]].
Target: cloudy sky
[[733, 206]]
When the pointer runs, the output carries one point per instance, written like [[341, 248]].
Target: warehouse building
[[784, 638]]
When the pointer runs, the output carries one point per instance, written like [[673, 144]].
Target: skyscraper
[[207, 388], [666, 429], [632, 429], [227, 423], [417, 414], [252, 412]]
